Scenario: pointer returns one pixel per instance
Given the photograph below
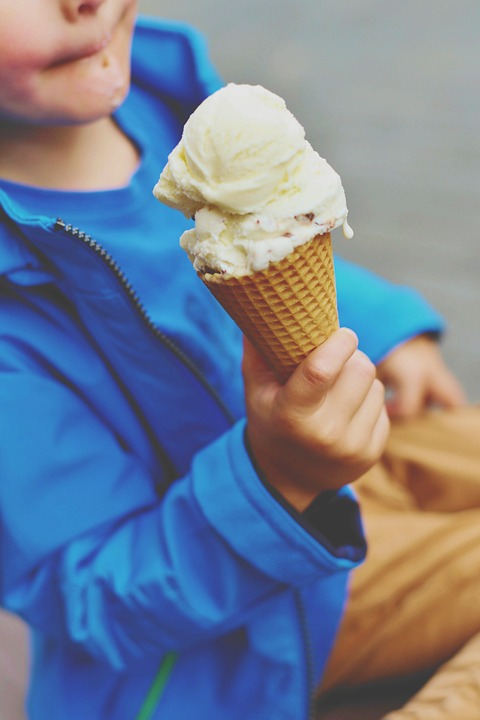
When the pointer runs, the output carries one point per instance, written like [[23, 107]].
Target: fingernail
[[351, 332]]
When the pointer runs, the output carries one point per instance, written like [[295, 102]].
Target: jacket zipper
[[111, 264], [309, 661], [76, 233]]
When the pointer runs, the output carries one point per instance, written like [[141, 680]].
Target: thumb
[[313, 378], [407, 401], [447, 392]]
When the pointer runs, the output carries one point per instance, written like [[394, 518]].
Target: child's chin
[[88, 108]]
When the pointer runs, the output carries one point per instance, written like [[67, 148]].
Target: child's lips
[[85, 51], [96, 74], [82, 51]]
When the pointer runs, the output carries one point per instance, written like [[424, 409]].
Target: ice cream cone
[[259, 192], [286, 310]]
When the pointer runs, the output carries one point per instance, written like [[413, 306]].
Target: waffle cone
[[286, 310]]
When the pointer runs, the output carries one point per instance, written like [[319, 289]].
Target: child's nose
[[74, 9]]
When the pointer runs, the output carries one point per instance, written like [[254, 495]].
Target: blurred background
[[389, 94]]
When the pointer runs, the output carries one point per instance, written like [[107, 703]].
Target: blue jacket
[[160, 577]]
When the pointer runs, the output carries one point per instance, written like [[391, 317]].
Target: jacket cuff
[[259, 528], [333, 519]]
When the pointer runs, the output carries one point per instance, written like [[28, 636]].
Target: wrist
[[299, 498]]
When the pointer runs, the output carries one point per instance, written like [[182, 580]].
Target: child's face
[[64, 61]]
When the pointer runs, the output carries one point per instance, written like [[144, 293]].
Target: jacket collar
[[171, 59], [17, 259]]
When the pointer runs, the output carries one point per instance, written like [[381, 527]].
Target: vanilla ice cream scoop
[[255, 186]]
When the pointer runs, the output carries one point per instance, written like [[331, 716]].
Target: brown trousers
[[416, 600]]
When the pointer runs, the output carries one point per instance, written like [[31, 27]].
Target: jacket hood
[[168, 59], [171, 60]]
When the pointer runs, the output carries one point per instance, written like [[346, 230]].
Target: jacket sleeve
[[382, 314], [91, 553]]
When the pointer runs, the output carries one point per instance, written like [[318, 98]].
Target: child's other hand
[[321, 430], [417, 378]]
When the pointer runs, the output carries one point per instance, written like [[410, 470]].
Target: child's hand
[[417, 377], [321, 430]]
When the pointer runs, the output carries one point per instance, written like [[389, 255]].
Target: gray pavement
[[389, 93]]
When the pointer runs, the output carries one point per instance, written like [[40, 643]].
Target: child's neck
[[97, 156]]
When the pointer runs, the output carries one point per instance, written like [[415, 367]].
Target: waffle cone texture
[[286, 310]]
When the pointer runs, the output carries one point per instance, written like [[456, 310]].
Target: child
[[172, 559]]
